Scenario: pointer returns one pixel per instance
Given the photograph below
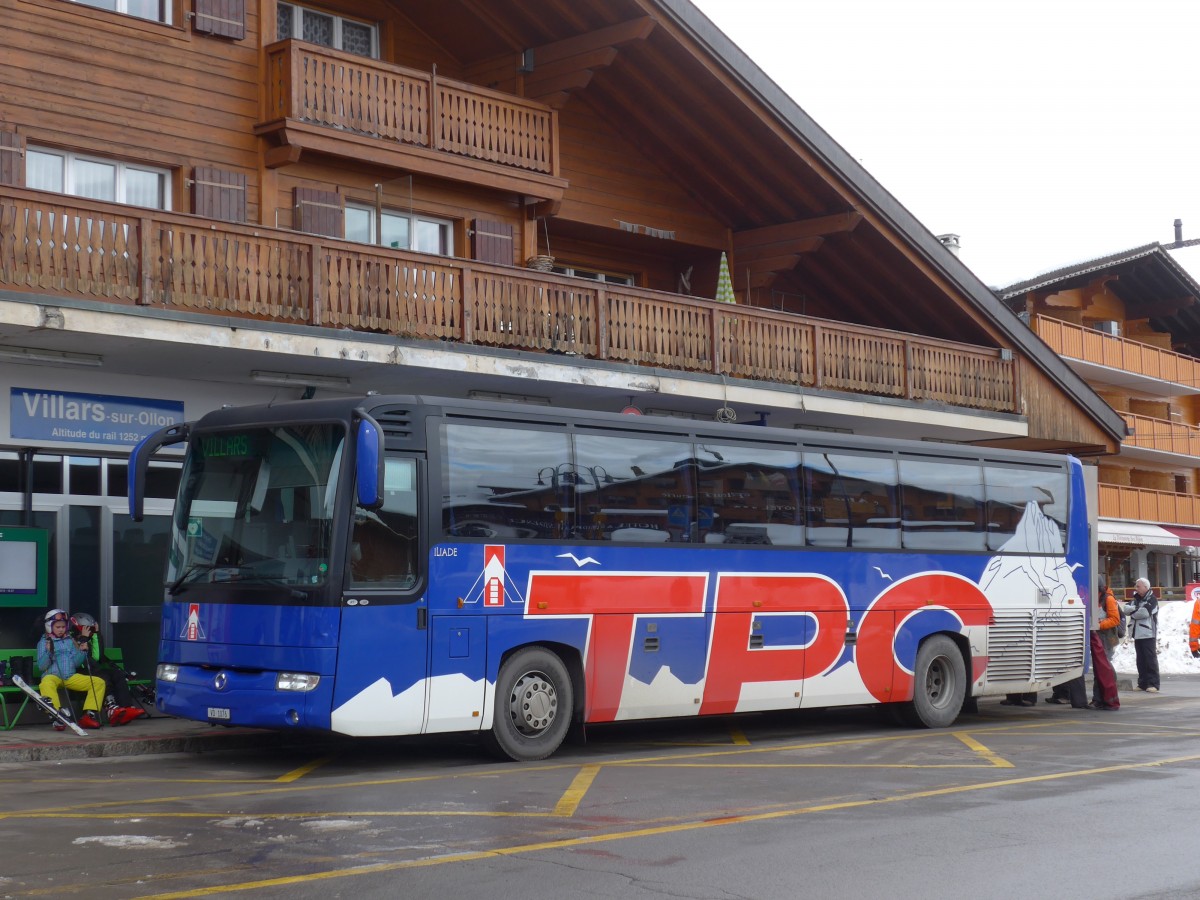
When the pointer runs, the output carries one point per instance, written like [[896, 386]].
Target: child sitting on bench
[[119, 705], [58, 656]]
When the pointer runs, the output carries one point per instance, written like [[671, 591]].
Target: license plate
[[218, 712]]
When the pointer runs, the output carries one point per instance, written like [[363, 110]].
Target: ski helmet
[[55, 615], [82, 620]]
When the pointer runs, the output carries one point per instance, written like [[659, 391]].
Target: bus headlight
[[166, 672], [296, 681]]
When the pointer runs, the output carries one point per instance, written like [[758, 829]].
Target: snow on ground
[[1174, 657]]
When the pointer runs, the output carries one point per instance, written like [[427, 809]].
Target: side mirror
[[139, 461], [368, 462]]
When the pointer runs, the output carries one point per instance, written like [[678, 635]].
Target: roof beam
[[792, 231], [566, 65], [611, 37], [573, 73], [779, 250]]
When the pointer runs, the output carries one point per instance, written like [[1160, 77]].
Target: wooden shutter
[[221, 18], [12, 158], [319, 212], [218, 194], [492, 242]]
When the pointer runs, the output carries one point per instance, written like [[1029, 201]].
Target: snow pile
[[1174, 657]]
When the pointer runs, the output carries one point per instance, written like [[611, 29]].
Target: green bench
[[10, 692]]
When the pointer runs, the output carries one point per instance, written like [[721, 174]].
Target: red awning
[[1188, 537]]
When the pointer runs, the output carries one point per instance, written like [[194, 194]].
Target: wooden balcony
[[1141, 504], [68, 247], [344, 104], [1092, 346], [1158, 434]]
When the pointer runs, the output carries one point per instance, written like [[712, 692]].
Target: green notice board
[[24, 565]]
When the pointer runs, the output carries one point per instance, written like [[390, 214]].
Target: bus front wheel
[[939, 684], [534, 701]]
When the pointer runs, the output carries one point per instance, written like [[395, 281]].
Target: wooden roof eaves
[[1188, 286], [796, 231], [562, 67], [817, 142]]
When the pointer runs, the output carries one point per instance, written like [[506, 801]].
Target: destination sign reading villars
[[87, 418]]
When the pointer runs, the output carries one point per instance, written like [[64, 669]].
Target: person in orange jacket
[[1110, 617], [1194, 629], [1103, 640]]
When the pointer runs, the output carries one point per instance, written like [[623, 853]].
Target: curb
[[84, 748]]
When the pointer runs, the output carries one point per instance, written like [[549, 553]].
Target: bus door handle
[[422, 619]]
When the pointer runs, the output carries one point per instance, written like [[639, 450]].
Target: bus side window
[[943, 505], [1014, 493]]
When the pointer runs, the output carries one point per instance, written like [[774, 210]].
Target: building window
[[96, 178], [594, 275], [403, 231], [154, 10], [326, 30]]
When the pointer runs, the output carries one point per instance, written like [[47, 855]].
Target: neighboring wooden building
[[1129, 323], [244, 199]]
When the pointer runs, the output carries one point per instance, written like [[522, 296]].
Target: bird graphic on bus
[[579, 562]]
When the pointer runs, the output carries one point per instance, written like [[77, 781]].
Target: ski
[[47, 706]]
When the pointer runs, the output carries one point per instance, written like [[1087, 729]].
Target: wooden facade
[[1162, 483], [624, 139], [1128, 323]]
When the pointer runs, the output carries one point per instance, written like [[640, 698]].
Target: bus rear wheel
[[939, 684], [534, 700]]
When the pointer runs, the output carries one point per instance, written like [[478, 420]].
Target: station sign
[[63, 416]]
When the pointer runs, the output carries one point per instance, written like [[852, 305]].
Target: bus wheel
[[939, 684], [533, 706]]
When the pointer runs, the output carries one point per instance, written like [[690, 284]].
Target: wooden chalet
[[1129, 323], [395, 173], [228, 201]]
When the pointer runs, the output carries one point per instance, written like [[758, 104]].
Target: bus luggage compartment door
[[457, 683]]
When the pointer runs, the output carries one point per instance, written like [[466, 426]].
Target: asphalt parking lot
[[737, 806]]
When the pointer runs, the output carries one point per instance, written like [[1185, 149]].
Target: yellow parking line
[[679, 828], [738, 737], [569, 801], [271, 788], [997, 761], [303, 770], [757, 765]]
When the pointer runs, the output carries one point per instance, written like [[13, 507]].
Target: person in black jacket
[[119, 705], [1143, 623]]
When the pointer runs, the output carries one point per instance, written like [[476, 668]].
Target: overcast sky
[[1044, 132]]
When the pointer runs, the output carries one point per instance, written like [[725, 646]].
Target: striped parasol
[[724, 282]]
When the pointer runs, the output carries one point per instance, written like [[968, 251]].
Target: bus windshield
[[256, 507]]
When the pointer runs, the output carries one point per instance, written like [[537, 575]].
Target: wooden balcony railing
[[70, 247], [1158, 434], [1090, 345], [1141, 504], [364, 96]]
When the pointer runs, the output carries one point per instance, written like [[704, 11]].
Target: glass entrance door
[[139, 561]]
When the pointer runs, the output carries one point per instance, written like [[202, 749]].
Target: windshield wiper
[[175, 586]]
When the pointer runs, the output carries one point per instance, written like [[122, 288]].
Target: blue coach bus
[[392, 565]]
